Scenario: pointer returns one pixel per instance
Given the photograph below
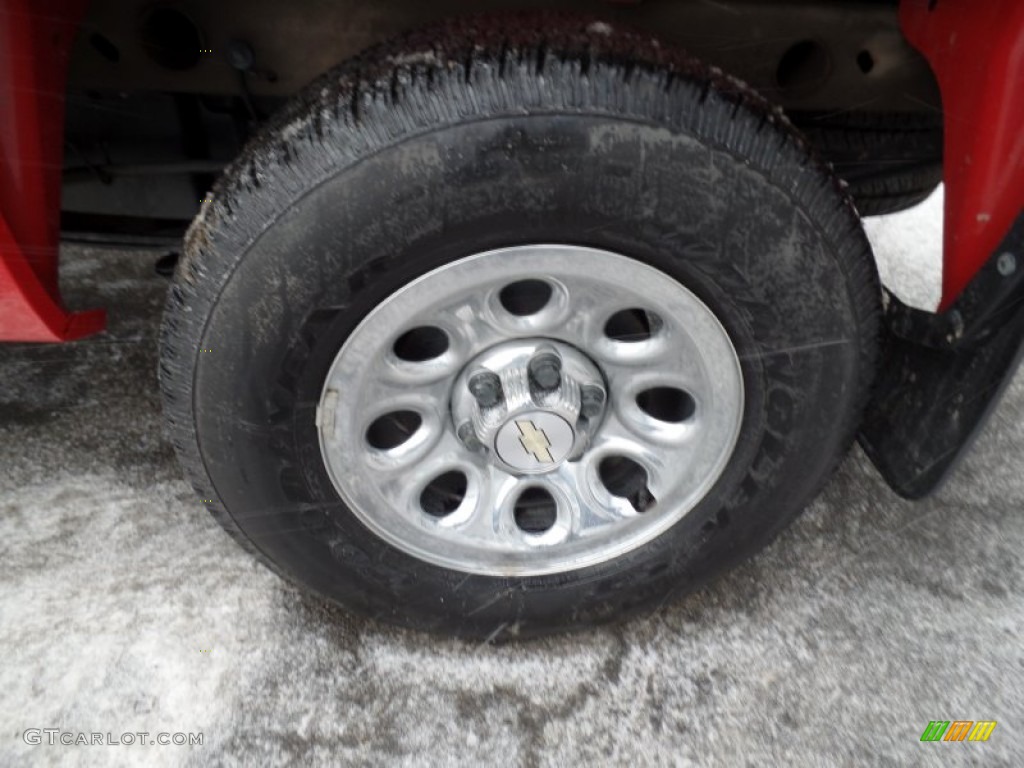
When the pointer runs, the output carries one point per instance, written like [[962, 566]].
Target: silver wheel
[[531, 410]]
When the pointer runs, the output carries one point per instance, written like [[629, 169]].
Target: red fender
[[976, 49], [35, 40]]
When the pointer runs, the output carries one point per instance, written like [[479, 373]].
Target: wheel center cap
[[536, 440], [529, 404]]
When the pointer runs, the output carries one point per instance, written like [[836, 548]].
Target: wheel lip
[[504, 566]]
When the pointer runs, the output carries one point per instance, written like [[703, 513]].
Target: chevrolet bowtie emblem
[[534, 441]]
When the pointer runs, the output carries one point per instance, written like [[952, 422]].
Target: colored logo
[[535, 442], [958, 730]]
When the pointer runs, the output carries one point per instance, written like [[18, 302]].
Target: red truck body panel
[[35, 39], [976, 50]]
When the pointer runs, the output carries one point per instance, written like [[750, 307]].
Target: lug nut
[[468, 437], [546, 370], [486, 388], [591, 401]]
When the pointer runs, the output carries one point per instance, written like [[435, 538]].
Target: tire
[[891, 161], [462, 142]]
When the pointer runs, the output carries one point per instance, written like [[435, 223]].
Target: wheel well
[[162, 96]]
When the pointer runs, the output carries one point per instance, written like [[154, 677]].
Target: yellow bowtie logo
[[534, 441]]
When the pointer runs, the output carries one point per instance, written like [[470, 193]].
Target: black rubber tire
[[480, 134], [891, 161]]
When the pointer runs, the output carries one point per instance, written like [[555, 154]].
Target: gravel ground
[[124, 608]]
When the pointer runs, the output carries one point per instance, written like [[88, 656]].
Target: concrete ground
[[124, 608]]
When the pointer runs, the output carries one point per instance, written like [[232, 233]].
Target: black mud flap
[[929, 405], [942, 375]]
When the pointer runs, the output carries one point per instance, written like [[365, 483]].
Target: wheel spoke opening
[[444, 494], [393, 429], [632, 325], [669, 404], [420, 344], [535, 511], [625, 478], [525, 297]]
